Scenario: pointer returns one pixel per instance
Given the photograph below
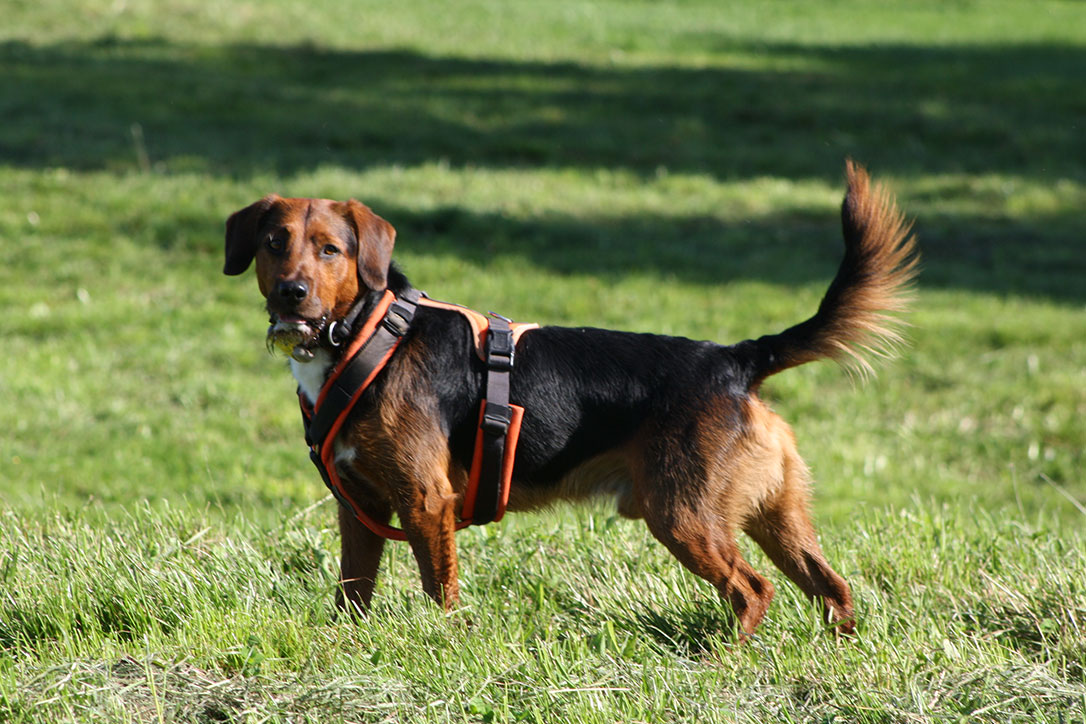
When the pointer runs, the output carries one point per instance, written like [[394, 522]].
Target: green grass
[[166, 550]]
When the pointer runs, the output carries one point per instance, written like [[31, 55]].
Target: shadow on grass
[[691, 632], [797, 114], [1025, 257], [1045, 634], [240, 110]]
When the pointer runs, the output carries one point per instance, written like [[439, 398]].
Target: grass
[[961, 618], [166, 552]]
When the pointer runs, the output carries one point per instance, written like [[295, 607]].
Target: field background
[[167, 552]]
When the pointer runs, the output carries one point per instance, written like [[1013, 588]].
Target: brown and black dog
[[672, 428]]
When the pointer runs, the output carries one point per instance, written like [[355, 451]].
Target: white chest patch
[[311, 374], [344, 455]]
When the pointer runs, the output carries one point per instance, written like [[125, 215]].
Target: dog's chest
[[311, 374]]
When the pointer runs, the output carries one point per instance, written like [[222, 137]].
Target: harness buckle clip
[[398, 319], [496, 419], [499, 349]]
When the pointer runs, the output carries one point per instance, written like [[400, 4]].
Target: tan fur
[[601, 476], [866, 326]]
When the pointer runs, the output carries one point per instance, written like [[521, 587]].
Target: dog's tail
[[874, 280]]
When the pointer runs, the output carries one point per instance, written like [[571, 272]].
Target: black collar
[[333, 334]]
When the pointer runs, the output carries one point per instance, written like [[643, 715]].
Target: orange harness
[[496, 437]]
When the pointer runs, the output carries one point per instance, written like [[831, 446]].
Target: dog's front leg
[[360, 558], [429, 520]]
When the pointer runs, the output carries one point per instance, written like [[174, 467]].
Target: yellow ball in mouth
[[285, 336], [284, 343]]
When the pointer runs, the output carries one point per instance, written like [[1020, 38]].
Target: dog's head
[[314, 257]]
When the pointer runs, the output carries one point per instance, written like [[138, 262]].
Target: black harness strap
[[497, 415], [342, 391]]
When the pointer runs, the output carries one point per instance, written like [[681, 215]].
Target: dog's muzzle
[[295, 337]]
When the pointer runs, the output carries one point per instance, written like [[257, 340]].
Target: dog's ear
[[241, 230], [375, 240]]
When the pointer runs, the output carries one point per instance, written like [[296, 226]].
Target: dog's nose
[[291, 291]]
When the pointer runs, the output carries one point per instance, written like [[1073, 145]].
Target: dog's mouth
[[295, 336]]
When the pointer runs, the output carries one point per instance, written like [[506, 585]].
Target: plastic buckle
[[499, 349], [496, 419], [397, 319]]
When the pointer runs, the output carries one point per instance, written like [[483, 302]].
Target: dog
[[672, 428]]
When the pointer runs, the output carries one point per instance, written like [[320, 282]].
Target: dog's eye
[[275, 244], [330, 250]]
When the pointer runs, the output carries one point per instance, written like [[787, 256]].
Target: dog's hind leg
[[709, 551], [782, 527], [676, 499], [360, 558]]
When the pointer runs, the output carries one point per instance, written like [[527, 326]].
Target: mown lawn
[[167, 553]]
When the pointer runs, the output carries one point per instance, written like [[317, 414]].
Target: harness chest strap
[[492, 463]]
